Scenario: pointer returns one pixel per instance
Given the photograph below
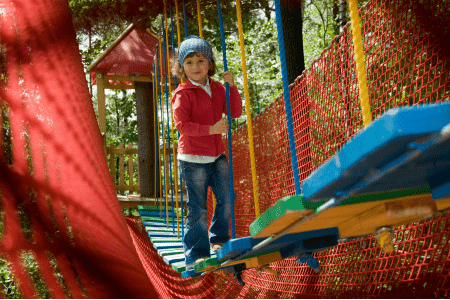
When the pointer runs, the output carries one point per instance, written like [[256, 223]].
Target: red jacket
[[194, 111]]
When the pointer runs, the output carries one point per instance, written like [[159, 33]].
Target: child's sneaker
[[216, 247], [192, 265]]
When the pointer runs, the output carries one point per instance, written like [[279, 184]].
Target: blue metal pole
[[230, 150], [168, 121], [161, 111], [176, 85], [157, 139]]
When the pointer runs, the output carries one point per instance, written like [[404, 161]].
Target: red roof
[[131, 54]]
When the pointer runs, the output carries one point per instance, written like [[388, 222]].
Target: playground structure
[[74, 215], [115, 68]]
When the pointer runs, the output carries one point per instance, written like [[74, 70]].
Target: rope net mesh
[[57, 197], [59, 210]]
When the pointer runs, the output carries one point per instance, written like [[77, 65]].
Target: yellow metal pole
[[360, 62], [175, 173], [155, 92], [199, 17], [247, 110], [170, 83], [167, 48], [163, 133], [178, 27], [159, 156], [178, 22]]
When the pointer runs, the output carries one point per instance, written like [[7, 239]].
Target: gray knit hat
[[195, 44]]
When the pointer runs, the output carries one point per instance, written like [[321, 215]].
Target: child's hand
[[228, 77], [219, 128]]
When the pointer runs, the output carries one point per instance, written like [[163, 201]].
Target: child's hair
[[178, 69]]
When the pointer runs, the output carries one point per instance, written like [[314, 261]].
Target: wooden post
[[130, 169], [101, 103], [121, 166], [112, 163], [146, 137]]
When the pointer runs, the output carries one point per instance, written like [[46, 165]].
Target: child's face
[[196, 68]]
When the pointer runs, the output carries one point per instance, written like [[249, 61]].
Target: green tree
[[121, 123], [121, 126], [105, 15], [322, 21], [263, 64]]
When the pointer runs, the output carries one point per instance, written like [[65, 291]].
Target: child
[[198, 107]]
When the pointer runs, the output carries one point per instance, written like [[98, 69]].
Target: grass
[[32, 267], [9, 287]]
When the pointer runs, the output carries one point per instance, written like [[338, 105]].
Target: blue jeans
[[197, 179]]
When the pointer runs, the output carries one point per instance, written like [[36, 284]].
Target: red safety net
[[58, 203], [59, 207]]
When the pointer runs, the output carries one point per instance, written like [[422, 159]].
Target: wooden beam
[[124, 188], [101, 103], [129, 78], [125, 151], [133, 201], [119, 86], [123, 86]]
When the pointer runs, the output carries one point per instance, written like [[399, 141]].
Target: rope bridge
[[59, 206]]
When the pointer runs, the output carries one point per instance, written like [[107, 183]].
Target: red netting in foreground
[[58, 203], [59, 206]]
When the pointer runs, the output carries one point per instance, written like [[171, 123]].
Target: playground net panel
[[61, 222], [59, 207]]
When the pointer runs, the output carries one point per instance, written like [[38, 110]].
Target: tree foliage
[[104, 15], [121, 120], [322, 21], [262, 61], [320, 25]]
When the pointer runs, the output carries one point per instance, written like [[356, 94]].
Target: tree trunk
[[342, 14], [146, 138], [291, 15]]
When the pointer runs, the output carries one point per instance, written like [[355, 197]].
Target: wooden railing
[[126, 160], [123, 155]]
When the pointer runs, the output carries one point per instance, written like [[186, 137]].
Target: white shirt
[[206, 87]]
